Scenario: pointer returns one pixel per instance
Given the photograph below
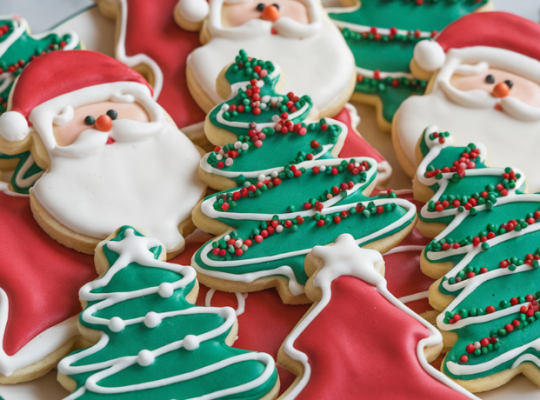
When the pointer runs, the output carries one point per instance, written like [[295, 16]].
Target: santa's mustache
[[480, 99], [284, 26], [122, 131]]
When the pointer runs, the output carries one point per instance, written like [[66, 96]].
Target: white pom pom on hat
[[193, 10], [13, 126], [429, 55]]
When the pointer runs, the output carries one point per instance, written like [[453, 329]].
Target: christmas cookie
[[297, 35], [18, 47], [110, 152], [146, 36], [486, 256], [284, 189], [39, 282], [484, 87], [382, 36], [371, 334], [150, 340]]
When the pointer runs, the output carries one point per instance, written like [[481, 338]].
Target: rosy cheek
[[67, 134]]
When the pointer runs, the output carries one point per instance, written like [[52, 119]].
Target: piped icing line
[[20, 27], [132, 250], [345, 258], [240, 298], [481, 283], [367, 73], [132, 61], [414, 297]]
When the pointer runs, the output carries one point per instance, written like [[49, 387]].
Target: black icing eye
[[89, 120], [276, 5], [260, 7], [113, 114], [509, 83], [490, 79]]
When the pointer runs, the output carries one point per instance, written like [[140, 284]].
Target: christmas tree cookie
[[284, 190], [18, 47], [150, 340], [382, 36], [485, 252]]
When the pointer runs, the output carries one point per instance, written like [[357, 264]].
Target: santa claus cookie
[[111, 154], [18, 47], [484, 87], [151, 341], [284, 189], [371, 335], [486, 254], [149, 51], [297, 35], [382, 36]]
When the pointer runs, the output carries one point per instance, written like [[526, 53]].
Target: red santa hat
[[488, 29], [56, 74]]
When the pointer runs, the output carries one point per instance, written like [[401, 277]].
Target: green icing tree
[[284, 189], [18, 47], [152, 342], [488, 253], [382, 34]]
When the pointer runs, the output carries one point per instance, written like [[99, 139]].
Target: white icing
[[429, 55], [13, 126], [285, 270], [134, 60], [193, 10], [345, 258], [402, 249], [148, 178], [414, 297], [240, 298], [468, 70], [366, 73], [123, 98], [510, 133], [520, 110], [135, 249], [297, 49], [29, 181], [36, 349], [65, 116]]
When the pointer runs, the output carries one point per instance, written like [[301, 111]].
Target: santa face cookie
[[486, 90], [297, 35], [110, 154], [285, 190], [148, 51], [382, 36], [361, 321], [486, 255], [151, 341], [18, 47]]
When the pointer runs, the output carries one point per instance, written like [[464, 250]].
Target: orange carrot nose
[[501, 90], [270, 13], [104, 123]]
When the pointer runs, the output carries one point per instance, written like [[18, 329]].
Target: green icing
[[16, 56], [391, 95], [432, 15], [507, 221], [304, 198], [392, 52], [28, 176], [127, 274]]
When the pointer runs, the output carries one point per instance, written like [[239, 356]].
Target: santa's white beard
[[320, 66], [148, 181], [510, 142]]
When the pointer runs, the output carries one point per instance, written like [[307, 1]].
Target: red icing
[[355, 145], [61, 72], [151, 30], [41, 277], [361, 346], [492, 30]]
